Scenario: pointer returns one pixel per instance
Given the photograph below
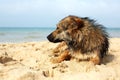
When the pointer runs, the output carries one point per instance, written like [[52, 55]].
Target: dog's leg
[[60, 47], [96, 59], [61, 57]]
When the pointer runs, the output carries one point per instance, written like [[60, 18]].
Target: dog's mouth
[[52, 39], [57, 40]]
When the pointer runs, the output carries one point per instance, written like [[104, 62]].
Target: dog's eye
[[57, 28]]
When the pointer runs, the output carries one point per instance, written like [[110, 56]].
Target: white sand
[[31, 61]]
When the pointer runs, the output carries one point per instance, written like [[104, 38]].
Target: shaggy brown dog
[[83, 37]]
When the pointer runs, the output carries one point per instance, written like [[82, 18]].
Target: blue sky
[[47, 13]]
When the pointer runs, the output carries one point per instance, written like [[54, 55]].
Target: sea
[[36, 34]]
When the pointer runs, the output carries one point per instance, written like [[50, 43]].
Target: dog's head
[[66, 29]]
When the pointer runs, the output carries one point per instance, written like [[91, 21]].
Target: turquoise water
[[113, 32], [35, 34], [23, 34]]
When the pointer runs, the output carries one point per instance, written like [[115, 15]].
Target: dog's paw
[[55, 60], [56, 51], [96, 60]]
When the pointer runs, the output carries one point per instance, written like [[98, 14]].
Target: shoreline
[[31, 60]]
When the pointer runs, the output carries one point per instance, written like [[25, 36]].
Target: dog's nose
[[50, 37]]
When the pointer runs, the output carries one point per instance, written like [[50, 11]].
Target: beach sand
[[31, 61]]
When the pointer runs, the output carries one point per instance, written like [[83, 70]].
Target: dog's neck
[[72, 45]]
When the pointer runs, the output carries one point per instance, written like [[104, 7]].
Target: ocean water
[[33, 34], [15, 34]]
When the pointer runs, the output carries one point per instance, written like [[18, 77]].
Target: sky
[[47, 13]]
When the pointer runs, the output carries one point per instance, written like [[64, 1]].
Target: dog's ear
[[80, 23]]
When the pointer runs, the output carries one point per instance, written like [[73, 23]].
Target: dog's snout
[[50, 37], [53, 39]]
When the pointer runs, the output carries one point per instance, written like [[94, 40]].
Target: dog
[[83, 39]]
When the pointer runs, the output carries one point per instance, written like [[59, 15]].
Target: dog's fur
[[85, 39]]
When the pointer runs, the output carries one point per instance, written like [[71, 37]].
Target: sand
[[31, 61]]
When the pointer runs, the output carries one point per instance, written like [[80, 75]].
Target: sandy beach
[[31, 61]]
